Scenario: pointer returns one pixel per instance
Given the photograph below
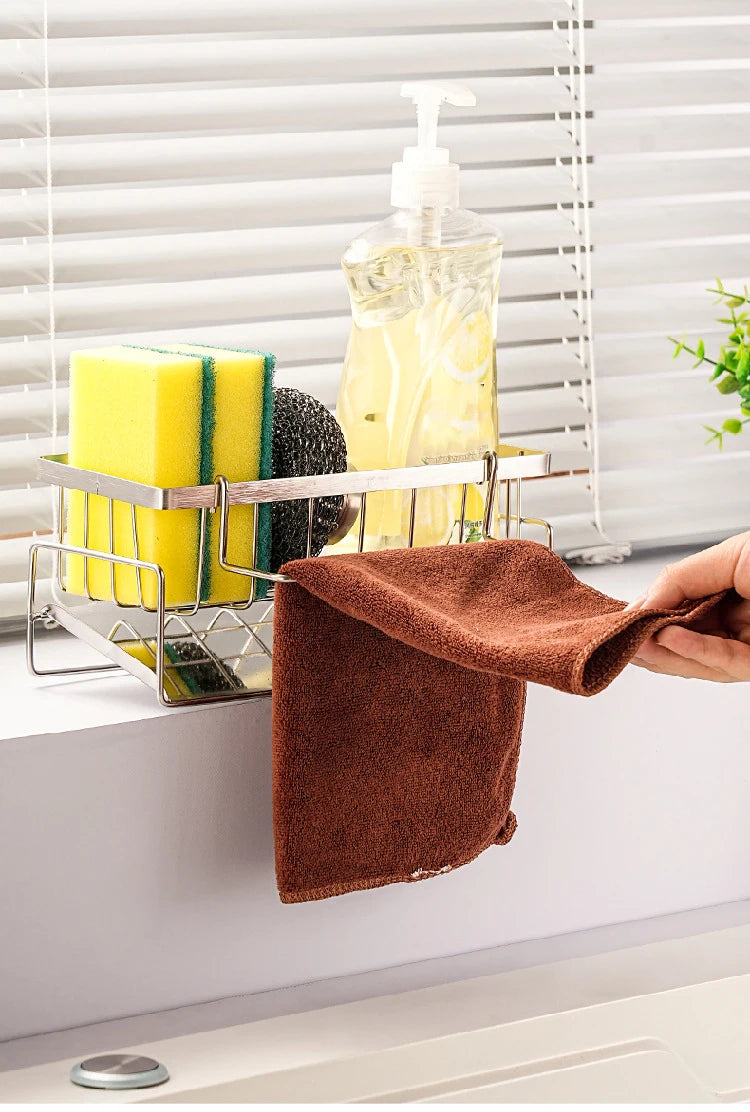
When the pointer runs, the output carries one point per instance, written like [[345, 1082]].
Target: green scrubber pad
[[241, 430]]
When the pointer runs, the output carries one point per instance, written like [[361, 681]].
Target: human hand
[[718, 646]]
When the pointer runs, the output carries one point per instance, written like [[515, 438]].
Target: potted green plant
[[731, 371]]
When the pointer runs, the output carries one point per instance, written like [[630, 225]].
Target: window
[[669, 182], [181, 170]]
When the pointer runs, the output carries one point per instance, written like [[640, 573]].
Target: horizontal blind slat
[[25, 510], [608, 90], [103, 61], [210, 301], [652, 43], [570, 450], [707, 131], [673, 393], [659, 440], [636, 355], [701, 217], [660, 310], [18, 459], [263, 108], [13, 601], [654, 9], [316, 200], [526, 412], [636, 498], [146, 257], [644, 264], [627, 179], [14, 558], [90, 17], [30, 411], [264, 157]]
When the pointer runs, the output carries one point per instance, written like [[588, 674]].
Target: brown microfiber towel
[[399, 681]]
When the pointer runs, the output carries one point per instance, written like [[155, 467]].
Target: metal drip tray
[[216, 653]]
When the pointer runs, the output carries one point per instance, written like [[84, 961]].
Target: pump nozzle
[[425, 178], [428, 96]]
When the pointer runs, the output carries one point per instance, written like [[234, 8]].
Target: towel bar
[[202, 652]]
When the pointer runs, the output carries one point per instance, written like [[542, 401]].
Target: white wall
[[137, 865]]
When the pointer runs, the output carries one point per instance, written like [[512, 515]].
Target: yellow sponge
[[237, 443], [136, 414]]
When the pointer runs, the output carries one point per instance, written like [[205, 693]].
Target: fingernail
[[636, 603]]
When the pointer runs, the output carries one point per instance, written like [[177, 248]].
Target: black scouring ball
[[204, 677], [307, 440]]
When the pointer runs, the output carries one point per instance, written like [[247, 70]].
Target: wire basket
[[201, 652]]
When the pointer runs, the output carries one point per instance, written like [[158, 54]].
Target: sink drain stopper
[[119, 1071]]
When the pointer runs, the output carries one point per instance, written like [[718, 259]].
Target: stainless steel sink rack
[[232, 643]]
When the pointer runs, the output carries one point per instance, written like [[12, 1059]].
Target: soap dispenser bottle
[[420, 384]]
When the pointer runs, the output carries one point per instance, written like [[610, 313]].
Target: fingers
[[715, 569], [658, 658], [737, 620], [722, 655]]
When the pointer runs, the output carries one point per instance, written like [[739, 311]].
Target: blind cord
[[608, 551], [50, 229], [50, 256]]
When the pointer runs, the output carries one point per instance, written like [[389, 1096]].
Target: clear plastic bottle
[[420, 382]]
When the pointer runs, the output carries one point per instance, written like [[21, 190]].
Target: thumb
[[715, 569]]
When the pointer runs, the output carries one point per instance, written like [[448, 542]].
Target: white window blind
[[173, 169], [669, 181]]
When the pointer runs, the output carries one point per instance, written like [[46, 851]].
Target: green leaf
[[736, 337], [679, 344], [733, 425], [700, 352], [735, 302], [728, 385], [742, 370], [719, 370], [731, 360], [745, 409], [715, 435]]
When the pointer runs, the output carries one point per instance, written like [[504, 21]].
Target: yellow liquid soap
[[420, 381]]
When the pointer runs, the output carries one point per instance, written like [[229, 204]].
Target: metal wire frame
[[506, 515], [177, 628], [178, 622], [33, 616], [488, 531], [91, 553]]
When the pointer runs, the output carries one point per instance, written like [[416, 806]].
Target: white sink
[[668, 1022], [688, 1045]]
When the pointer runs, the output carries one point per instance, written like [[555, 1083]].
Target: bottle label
[[460, 457]]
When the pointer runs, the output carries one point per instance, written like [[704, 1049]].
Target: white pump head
[[425, 178]]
